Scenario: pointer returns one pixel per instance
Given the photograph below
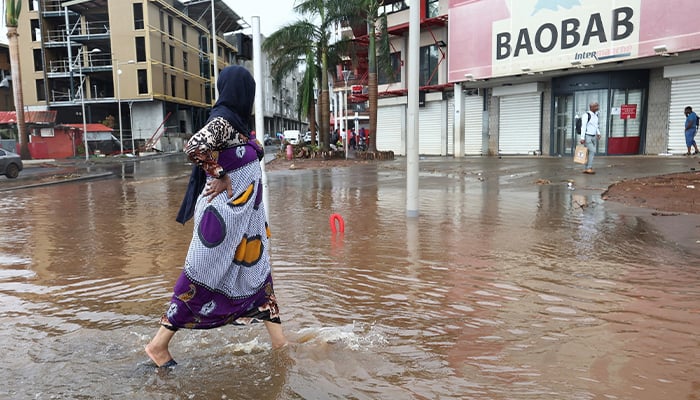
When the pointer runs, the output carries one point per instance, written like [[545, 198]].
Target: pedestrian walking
[[590, 134], [691, 129], [227, 277]]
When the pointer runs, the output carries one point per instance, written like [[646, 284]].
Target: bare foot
[[158, 356]]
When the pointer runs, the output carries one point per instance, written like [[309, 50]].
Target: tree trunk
[[325, 105], [372, 82], [23, 135]]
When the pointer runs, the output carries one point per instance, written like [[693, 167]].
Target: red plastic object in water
[[341, 223]]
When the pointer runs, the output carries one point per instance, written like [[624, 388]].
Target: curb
[[59, 181]]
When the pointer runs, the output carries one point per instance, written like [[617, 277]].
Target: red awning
[[30, 117]]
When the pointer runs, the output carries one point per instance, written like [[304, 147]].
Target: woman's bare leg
[[157, 349], [276, 334]]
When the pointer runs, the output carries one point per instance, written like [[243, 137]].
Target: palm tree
[[367, 11], [292, 46], [289, 47], [12, 10]]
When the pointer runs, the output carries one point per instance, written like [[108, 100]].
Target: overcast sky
[[273, 14]]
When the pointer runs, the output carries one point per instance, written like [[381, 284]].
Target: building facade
[[509, 77]]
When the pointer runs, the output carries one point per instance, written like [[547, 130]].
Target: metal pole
[[259, 112], [119, 104], [131, 126], [412, 150], [346, 76], [82, 104], [215, 50]]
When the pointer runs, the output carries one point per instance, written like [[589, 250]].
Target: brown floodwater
[[500, 289]]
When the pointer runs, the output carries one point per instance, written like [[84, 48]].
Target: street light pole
[[119, 105], [346, 76], [82, 105], [82, 100]]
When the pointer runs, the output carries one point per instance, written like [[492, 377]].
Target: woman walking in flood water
[[227, 276]]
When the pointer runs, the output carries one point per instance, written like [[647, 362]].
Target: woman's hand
[[217, 186]]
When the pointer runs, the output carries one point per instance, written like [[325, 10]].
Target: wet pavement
[[511, 284]]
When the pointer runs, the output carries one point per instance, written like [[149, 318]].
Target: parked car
[[10, 164], [267, 140], [292, 136], [307, 137]]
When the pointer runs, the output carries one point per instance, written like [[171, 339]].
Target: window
[[432, 8], [138, 16], [38, 60], [162, 53], [165, 83], [184, 60], [35, 30], [173, 82], [428, 74], [142, 76], [46, 132], [172, 56], [395, 60], [184, 33], [40, 90], [394, 7], [140, 43], [161, 18], [33, 5], [187, 89], [170, 25]]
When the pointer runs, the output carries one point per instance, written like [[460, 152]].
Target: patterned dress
[[227, 277]]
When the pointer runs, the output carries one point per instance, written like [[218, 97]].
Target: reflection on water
[[501, 289]]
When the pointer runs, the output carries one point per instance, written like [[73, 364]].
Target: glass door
[[583, 99], [563, 140], [625, 121]]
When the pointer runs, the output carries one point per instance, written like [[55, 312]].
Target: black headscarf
[[235, 104]]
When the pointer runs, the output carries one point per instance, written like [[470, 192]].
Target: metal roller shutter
[[451, 126], [684, 92], [473, 125], [519, 123], [430, 128], [391, 122]]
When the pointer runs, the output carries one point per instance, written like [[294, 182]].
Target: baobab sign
[[511, 37]]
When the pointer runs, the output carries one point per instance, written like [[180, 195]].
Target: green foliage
[[12, 10]]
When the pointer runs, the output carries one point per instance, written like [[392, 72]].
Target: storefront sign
[[356, 89], [628, 111], [512, 37]]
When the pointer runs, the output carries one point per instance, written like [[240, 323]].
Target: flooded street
[[501, 289]]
